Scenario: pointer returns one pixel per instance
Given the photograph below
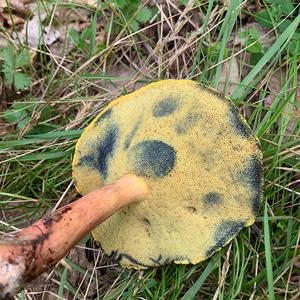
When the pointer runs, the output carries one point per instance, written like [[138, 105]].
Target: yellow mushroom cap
[[197, 155]]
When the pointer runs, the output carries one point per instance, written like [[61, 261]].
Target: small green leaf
[[105, 5], [255, 46], [254, 33], [264, 17], [213, 51], [12, 61], [8, 75], [243, 34], [280, 225], [294, 47], [134, 25], [184, 2], [7, 55], [18, 111], [286, 6], [85, 35], [144, 15], [251, 36], [22, 59], [120, 3], [21, 81], [12, 116], [74, 35], [255, 58], [100, 47], [251, 32]]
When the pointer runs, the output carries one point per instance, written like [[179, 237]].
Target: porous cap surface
[[201, 162]]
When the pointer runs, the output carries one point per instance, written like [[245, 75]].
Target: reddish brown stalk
[[37, 248]]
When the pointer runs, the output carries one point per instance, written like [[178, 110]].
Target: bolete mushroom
[[199, 158]]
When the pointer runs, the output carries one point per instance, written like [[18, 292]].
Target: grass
[[269, 259], [193, 41]]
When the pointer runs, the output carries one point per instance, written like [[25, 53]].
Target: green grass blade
[[227, 27], [41, 156], [17, 143], [268, 254], [17, 196], [200, 43], [273, 50], [39, 138], [192, 292], [57, 134], [22, 295], [62, 284], [273, 114]]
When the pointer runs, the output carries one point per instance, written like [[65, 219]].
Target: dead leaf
[[12, 19], [31, 33], [50, 35], [13, 12], [19, 7], [229, 76]]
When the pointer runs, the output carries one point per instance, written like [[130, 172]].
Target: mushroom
[[199, 158], [172, 171]]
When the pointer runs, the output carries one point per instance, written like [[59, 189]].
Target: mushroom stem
[[40, 246]]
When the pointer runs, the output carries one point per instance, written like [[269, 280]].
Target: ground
[[62, 62]]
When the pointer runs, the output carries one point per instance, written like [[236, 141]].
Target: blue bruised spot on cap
[[237, 123], [132, 133], [165, 107], [188, 122], [225, 231], [152, 158], [212, 198], [105, 148], [252, 176]]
